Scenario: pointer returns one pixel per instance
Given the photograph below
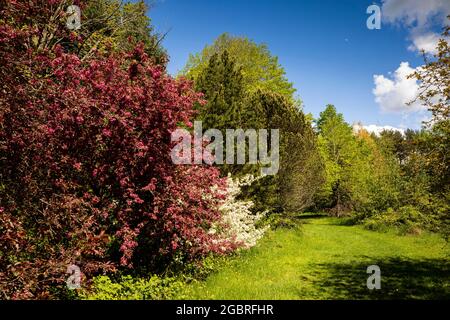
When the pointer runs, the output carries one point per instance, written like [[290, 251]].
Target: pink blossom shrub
[[86, 176]]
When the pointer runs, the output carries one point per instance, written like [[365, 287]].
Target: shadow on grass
[[400, 279]]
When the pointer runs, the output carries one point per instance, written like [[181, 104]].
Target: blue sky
[[325, 47]]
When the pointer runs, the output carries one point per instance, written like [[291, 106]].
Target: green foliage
[[129, 288], [119, 25], [221, 83], [422, 177], [260, 69], [222, 86], [434, 92], [283, 220], [301, 169], [338, 148], [434, 79], [362, 173], [393, 142], [406, 219], [228, 106], [176, 283], [380, 176]]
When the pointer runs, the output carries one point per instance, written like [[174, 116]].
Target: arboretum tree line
[[86, 176]]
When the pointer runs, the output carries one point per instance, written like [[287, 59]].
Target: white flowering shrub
[[240, 222]]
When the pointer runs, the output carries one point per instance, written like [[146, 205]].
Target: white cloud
[[415, 13], [394, 93], [420, 17], [427, 42], [373, 128]]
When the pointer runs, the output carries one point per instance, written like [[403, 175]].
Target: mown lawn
[[326, 259]]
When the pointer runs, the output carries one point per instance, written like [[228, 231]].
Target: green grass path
[[328, 260]]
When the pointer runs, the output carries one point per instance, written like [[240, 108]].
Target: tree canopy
[[260, 69]]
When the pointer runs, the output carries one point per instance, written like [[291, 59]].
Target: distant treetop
[[261, 70]]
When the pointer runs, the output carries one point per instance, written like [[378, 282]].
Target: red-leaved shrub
[[86, 176]]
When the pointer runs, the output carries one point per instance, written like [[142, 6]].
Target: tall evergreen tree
[[222, 85], [230, 107], [300, 167]]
